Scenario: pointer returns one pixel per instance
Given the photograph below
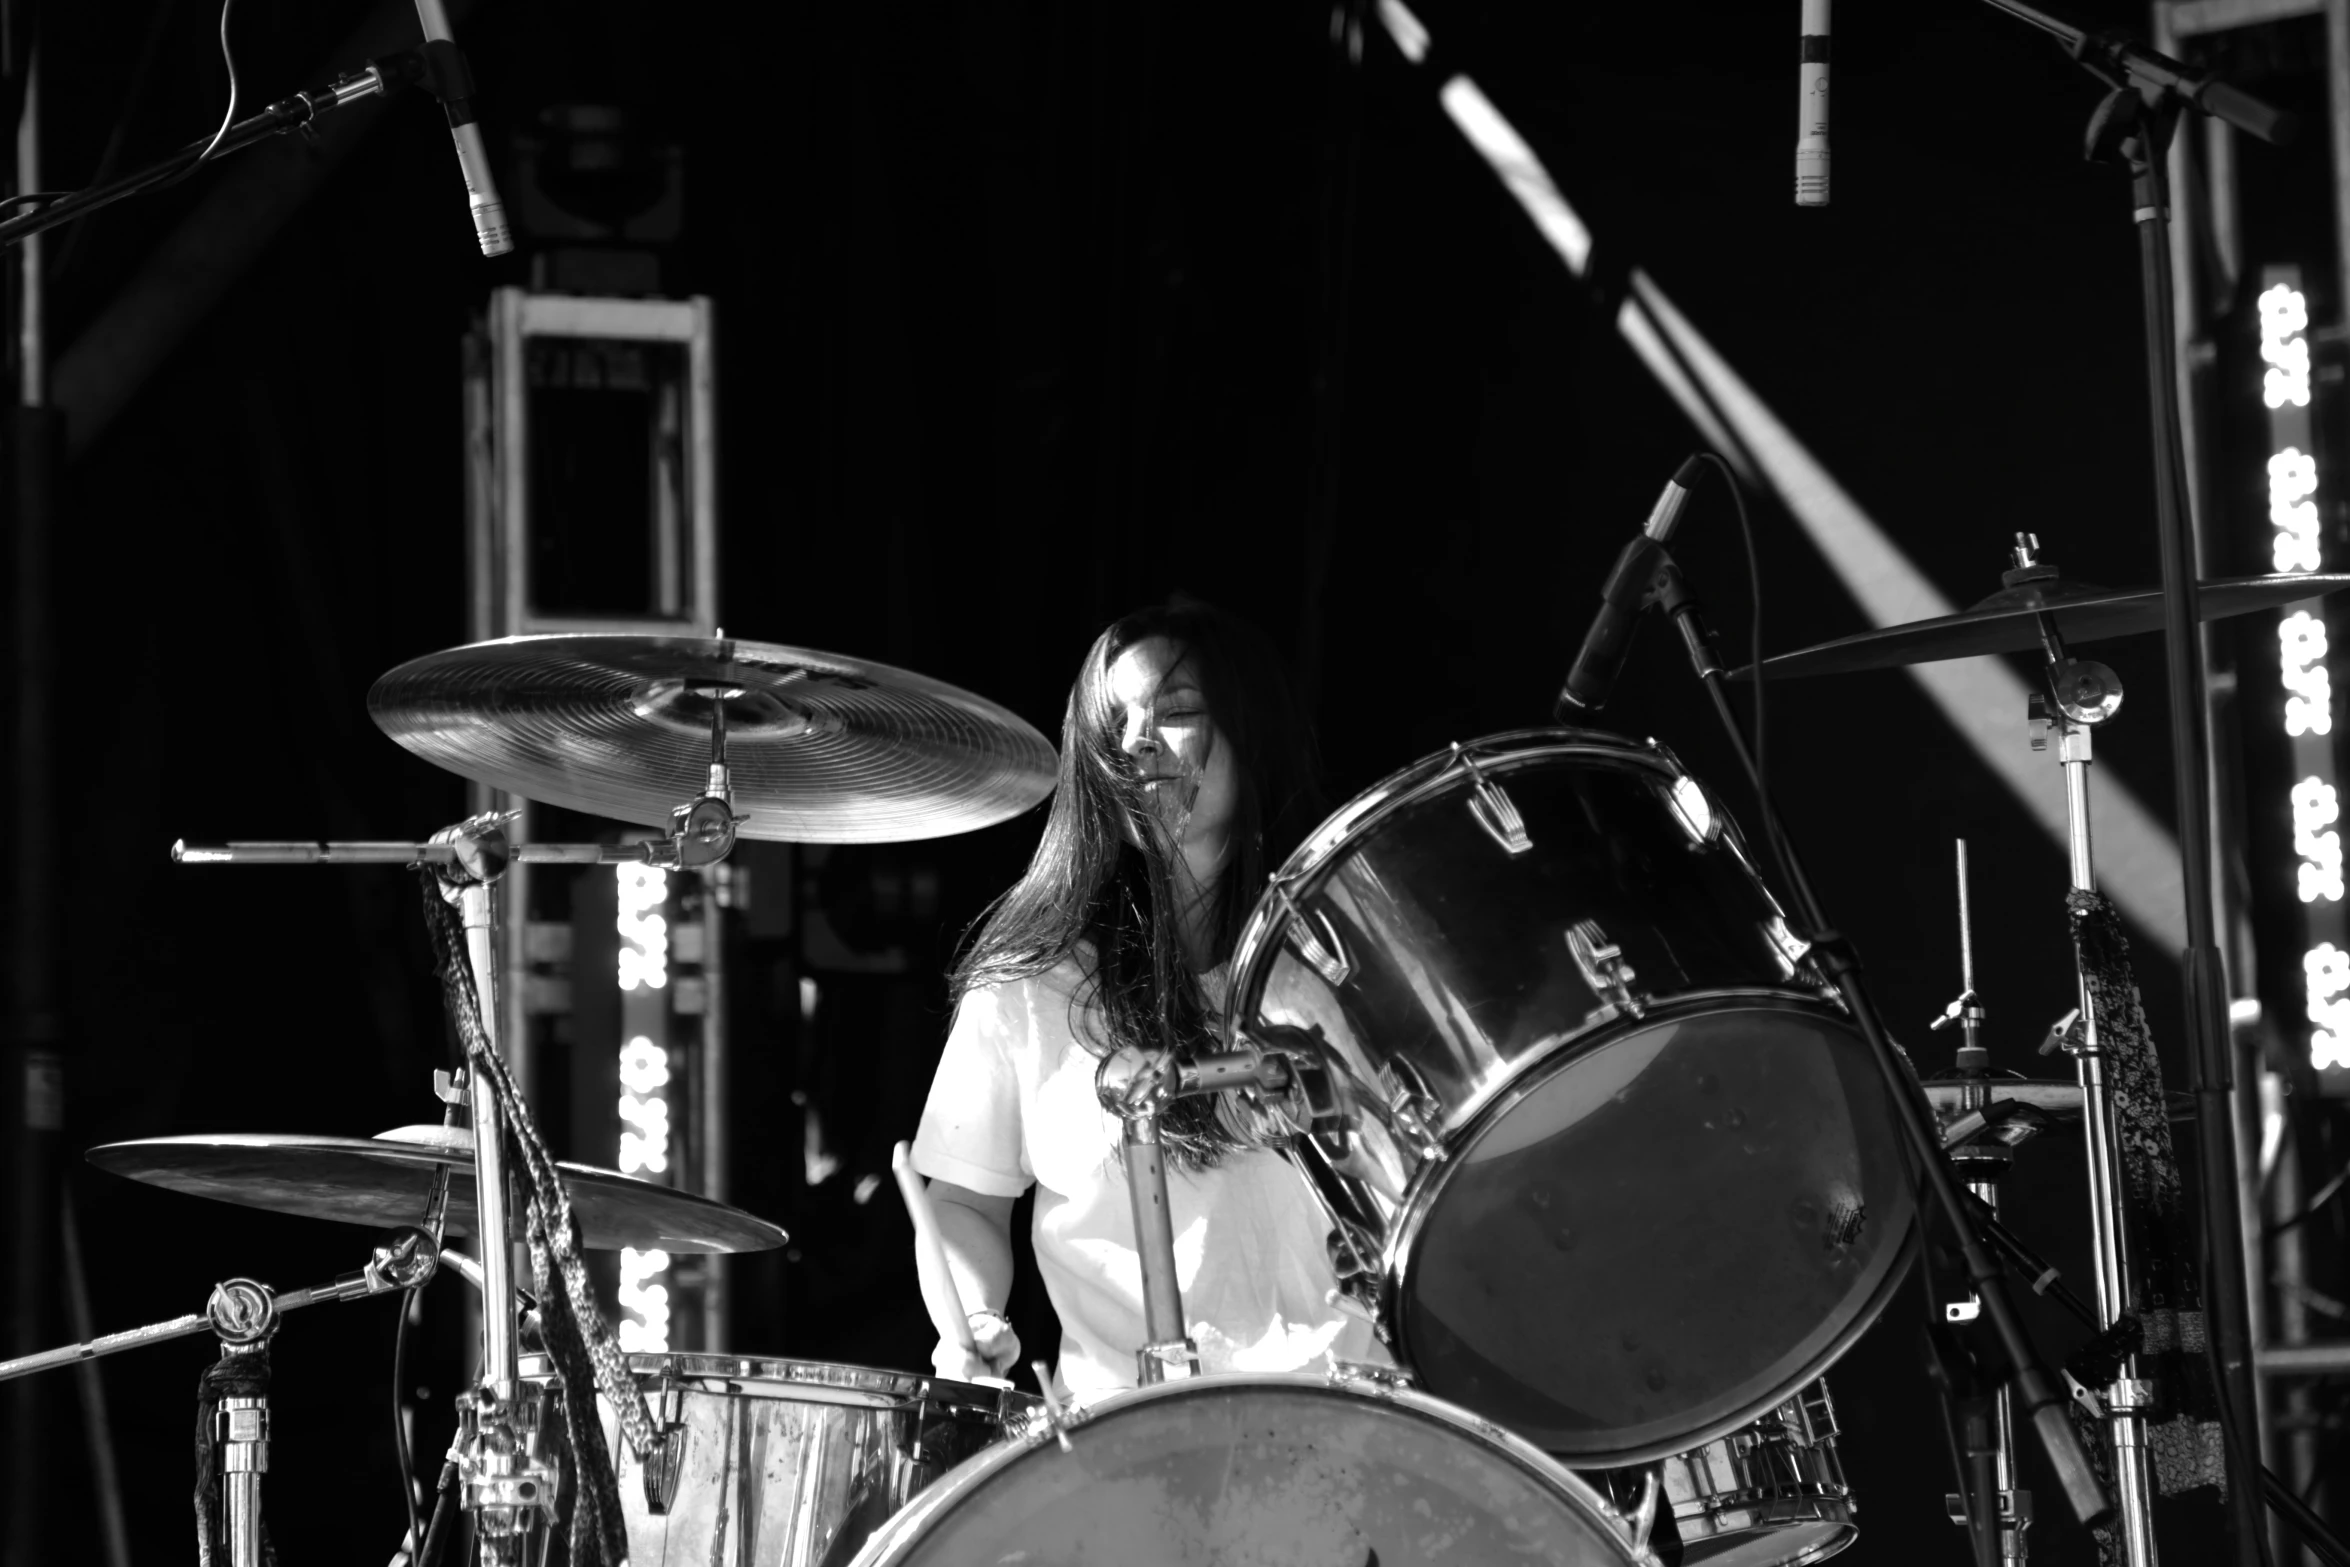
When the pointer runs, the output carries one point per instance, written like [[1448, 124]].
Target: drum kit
[[1606, 1160]]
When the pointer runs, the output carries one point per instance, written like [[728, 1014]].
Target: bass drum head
[[1651, 1239], [1254, 1472]]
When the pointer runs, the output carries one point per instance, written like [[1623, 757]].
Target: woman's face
[[1182, 759]]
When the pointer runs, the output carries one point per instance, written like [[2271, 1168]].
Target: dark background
[[1029, 314]]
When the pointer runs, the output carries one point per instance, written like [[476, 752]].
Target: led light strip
[[2307, 711], [644, 1108]]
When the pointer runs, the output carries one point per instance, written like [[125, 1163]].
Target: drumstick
[[938, 1282]]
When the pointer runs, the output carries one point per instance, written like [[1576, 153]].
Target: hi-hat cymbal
[[821, 748], [387, 1180], [2005, 622]]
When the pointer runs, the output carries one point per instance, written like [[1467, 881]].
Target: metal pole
[[2208, 1040], [1167, 1348], [2012, 1503], [717, 901], [244, 1459], [35, 1025], [493, 1224], [2127, 1398]]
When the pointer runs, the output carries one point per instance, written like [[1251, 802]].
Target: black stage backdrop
[[1021, 312]]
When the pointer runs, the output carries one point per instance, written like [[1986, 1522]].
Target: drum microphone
[[452, 83], [1592, 677], [1811, 109]]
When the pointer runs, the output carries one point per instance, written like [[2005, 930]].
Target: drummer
[[1186, 773]]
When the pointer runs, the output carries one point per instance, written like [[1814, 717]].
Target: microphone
[[1811, 116], [452, 83], [1592, 677]]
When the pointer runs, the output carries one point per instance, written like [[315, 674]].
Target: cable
[[1773, 839], [400, 1426], [228, 58], [228, 116], [2325, 1194]]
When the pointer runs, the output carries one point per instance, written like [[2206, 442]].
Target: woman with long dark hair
[[1187, 773]]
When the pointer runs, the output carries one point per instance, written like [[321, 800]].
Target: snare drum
[[1771, 1495], [790, 1462], [1607, 1163], [1254, 1471]]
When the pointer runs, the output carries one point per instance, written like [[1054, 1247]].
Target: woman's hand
[[998, 1350]]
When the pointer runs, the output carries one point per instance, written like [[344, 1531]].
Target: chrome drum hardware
[[1604, 1161], [1771, 1495], [786, 1461]]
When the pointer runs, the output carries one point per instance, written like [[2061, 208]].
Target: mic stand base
[[2042, 1405]]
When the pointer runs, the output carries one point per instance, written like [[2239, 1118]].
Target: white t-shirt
[[1014, 1103]]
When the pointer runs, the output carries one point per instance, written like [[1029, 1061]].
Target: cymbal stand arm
[[2043, 1406], [401, 1260], [652, 851]]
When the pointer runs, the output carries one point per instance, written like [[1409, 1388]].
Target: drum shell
[[786, 1461], [1429, 1477], [1438, 974]]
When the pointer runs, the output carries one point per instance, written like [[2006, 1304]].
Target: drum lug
[[665, 1464], [1495, 811], [1819, 1414], [1309, 931], [1605, 971], [1412, 1112]]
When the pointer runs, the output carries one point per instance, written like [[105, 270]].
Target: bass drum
[[1606, 1162], [1257, 1471]]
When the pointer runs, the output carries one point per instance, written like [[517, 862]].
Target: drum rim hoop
[[875, 1387], [913, 1521], [1403, 1239]]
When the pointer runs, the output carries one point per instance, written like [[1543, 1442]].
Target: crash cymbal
[[2006, 622], [386, 1180], [821, 748]]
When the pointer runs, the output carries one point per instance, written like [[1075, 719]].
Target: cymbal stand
[[507, 1482], [504, 1479], [2082, 694], [1138, 1090], [2043, 1405], [1983, 1161]]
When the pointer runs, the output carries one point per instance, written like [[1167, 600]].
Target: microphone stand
[[2134, 123], [2042, 1405], [378, 78]]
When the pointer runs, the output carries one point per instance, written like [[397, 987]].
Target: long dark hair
[[1102, 882]]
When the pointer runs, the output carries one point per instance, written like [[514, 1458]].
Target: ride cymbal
[[819, 748], [2006, 622], [387, 1180]]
